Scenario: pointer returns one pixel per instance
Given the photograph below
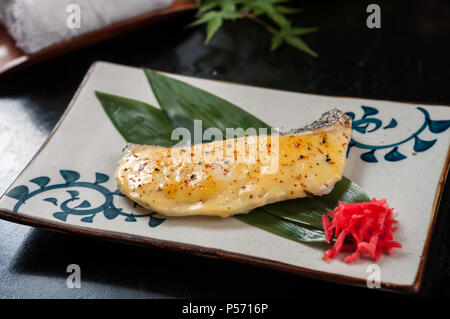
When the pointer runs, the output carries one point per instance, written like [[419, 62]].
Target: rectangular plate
[[401, 154], [13, 58]]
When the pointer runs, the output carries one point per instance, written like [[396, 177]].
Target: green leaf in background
[[213, 25], [214, 18], [270, 14], [181, 104], [277, 40], [288, 10], [290, 36], [298, 43], [303, 31], [136, 121], [184, 103], [205, 18]]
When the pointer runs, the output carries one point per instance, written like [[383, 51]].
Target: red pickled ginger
[[362, 228]]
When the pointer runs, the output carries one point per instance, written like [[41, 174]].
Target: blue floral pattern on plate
[[368, 123], [84, 209]]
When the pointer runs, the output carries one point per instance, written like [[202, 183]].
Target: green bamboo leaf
[[136, 121], [347, 192], [184, 103], [306, 211], [309, 210], [281, 227]]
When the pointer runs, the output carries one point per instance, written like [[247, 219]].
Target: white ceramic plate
[[401, 154]]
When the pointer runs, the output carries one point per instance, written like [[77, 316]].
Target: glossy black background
[[406, 60]]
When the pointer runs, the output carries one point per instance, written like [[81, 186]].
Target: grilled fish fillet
[[299, 163]]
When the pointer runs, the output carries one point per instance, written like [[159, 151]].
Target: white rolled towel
[[38, 24]]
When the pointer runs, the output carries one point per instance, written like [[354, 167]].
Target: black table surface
[[406, 60]]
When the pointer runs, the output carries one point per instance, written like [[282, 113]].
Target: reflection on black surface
[[131, 271]]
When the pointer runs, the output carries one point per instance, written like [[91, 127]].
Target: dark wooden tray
[[13, 58]]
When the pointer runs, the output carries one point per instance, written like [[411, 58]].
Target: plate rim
[[28, 220]]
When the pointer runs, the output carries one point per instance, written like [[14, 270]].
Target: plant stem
[[258, 20]]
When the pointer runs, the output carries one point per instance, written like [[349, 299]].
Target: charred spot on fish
[[308, 194], [326, 119]]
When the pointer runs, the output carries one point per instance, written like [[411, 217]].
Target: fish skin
[[310, 161]]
